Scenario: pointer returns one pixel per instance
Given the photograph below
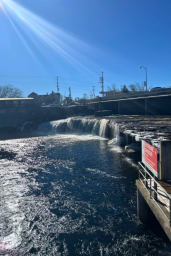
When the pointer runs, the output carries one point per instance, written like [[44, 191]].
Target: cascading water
[[78, 126]]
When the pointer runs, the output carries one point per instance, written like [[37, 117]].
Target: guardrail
[[150, 184], [121, 95]]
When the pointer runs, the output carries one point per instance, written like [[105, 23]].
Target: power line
[[78, 85], [47, 77], [26, 76]]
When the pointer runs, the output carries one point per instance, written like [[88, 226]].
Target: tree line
[[123, 88], [114, 89], [9, 91]]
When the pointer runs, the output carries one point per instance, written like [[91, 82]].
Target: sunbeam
[[1, 6], [63, 44], [18, 33]]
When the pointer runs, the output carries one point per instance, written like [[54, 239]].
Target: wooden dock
[[149, 204]]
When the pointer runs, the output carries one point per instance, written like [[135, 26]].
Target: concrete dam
[[128, 130]]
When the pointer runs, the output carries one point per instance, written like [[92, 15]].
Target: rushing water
[[71, 195]]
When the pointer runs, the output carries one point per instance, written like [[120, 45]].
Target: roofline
[[5, 99]]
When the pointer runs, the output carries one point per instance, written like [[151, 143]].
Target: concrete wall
[[144, 106], [159, 106], [132, 107], [15, 117]]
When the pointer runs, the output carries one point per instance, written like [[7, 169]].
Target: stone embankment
[[130, 130]]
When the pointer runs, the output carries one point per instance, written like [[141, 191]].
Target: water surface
[[71, 195]]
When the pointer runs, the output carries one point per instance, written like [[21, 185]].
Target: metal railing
[[121, 95], [155, 189]]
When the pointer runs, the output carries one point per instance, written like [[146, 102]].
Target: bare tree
[[8, 91], [61, 98], [91, 96], [113, 88], [136, 87], [85, 96], [77, 98], [132, 87]]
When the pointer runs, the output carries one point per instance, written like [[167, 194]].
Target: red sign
[[149, 157]]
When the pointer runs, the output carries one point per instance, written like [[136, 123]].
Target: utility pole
[[57, 85], [145, 82], [93, 92], [101, 81], [70, 93]]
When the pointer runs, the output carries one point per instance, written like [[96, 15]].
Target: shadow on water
[[16, 135], [7, 155]]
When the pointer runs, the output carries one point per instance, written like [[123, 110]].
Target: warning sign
[[149, 157]]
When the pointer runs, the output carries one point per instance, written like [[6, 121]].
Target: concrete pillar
[[146, 110], [165, 160], [100, 104], [144, 212], [119, 108]]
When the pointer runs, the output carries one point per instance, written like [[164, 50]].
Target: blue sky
[[76, 40]]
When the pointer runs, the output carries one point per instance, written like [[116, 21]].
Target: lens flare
[[19, 34], [1, 6], [44, 35]]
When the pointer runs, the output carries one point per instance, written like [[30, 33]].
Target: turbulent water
[[71, 195]]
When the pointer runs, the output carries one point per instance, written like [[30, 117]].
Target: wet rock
[[29, 127], [133, 147]]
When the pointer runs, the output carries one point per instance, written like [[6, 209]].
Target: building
[[46, 98], [11, 103]]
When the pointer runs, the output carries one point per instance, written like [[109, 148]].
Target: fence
[[156, 191]]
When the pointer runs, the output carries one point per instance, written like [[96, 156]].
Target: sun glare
[[42, 33]]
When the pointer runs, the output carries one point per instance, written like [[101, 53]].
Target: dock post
[[170, 211], [144, 212], [165, 160], [155, 187]]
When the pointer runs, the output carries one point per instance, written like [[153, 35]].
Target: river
[[66, 194]]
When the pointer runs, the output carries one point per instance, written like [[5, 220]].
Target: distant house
[[33, 95], [46, 98]]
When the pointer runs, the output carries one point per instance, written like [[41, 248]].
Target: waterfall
[[76, 126]]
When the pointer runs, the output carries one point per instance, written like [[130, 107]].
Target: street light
[[145, 82]]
